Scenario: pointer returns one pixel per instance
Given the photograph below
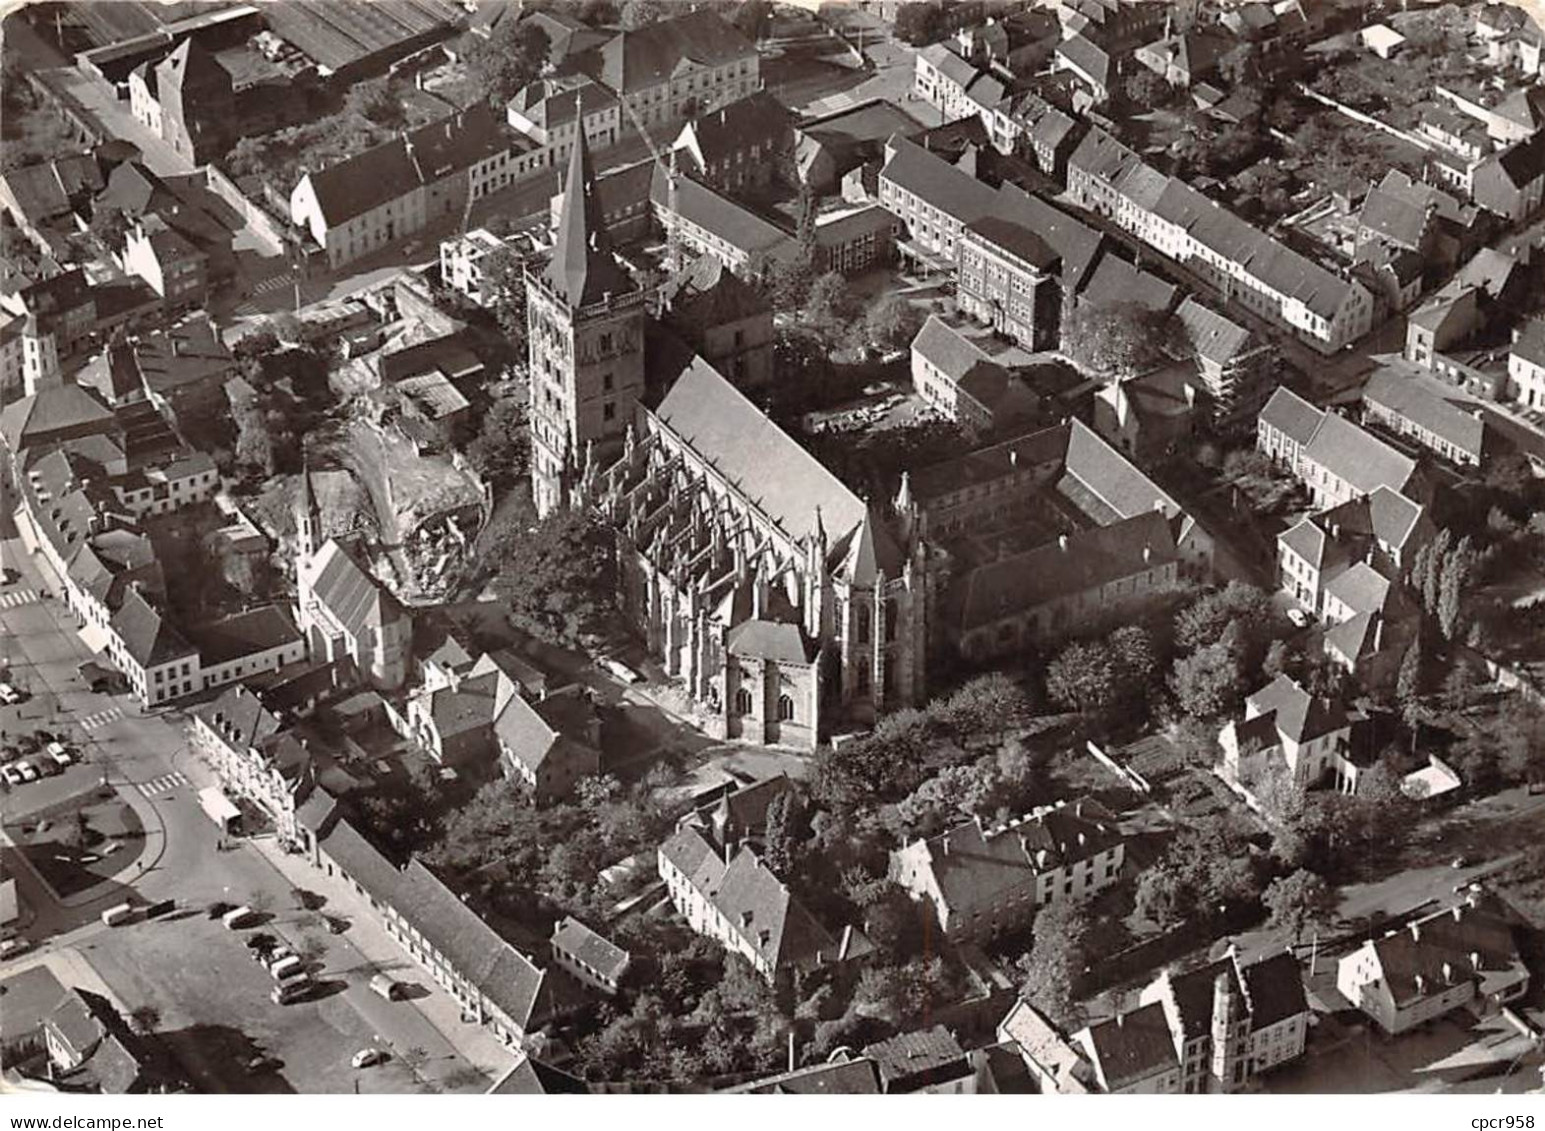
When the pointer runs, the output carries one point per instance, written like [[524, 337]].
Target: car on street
[[12, 775], [28, 771], [59, 753], [1299, 618], [9, 695], [10, 948], [367, 1058]]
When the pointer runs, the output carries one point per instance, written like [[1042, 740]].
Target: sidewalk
[[365, 934]]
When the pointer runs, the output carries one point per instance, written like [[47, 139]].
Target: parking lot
[[212, 1000]]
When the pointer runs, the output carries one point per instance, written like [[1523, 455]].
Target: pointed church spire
[[583, 270]]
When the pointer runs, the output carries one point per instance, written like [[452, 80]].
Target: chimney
[[1421, 984], [1062, 542], [1448, 973], [1416, 930], [1475, 960], [1147, 554], [1013, 458]]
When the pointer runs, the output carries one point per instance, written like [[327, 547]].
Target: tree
[[1163, 896], [1146, 89], [1457, 566], [557, 577], [1278, 657], [827, 307], [892, 322], [1431, 575], [146, 1019], [508, 60], [110, 226], [1237, 604], [641, 13], [502, 446], [1299, 900], [1082, 678], [1118, 340], [1520, 738], [375, 102], [781, 842], [1058, 957], [1132, 654], [504, 283], [1207, 682], [1408, 684]]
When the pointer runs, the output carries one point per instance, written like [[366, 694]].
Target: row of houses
[[1220, 1026], [88, 476], [1023, 265], [1324, 309]]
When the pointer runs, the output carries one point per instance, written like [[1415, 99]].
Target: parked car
[[12, 775], [291, 992], [45, 766], [283, 969], [238, 918], [367, 1058], [9, 694], [28, 771], [384, 985], [117, 916], [1299, 618], [10, 948], [59, 753]]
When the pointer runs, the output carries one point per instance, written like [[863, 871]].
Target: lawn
[[82, 845]]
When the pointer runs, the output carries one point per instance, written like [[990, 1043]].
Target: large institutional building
[[781, 600]]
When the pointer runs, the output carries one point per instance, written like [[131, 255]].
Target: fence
[[1124, 772]]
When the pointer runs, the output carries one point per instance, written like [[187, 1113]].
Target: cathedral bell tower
[[585, 326]]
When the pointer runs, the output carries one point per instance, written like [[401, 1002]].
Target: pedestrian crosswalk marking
[[19, 597], [272, 283], [163, 784], [100, 718]]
